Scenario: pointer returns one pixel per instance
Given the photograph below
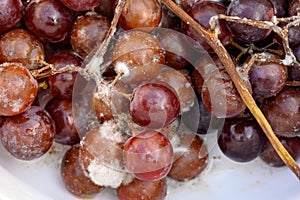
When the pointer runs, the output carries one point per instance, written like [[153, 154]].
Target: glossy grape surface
[[154, 105], [29, 135], [148, 155]]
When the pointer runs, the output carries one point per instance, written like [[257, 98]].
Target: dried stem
[[96, 58], [290, 58], [292, 83], [224, 57]]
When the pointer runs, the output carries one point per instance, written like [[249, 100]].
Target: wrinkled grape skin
[[140, 14], [10, 14], [154, 105], [146, 190], [61, 85], [220, 96], [18, 89], [262, 10], [29, 135], [48, 20], [18, 45], [283, 112], [267, 79], [241, 139], [61, 112], [74, 176], [81, 5], [148, 155], [88, 31]]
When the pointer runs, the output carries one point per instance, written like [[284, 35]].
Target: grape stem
[[290, 58], [96, 57], [227, 62]]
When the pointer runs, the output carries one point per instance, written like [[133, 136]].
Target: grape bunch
[[133, 87]]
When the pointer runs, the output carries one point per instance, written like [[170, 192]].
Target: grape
[[169, 19], [176, 49], [61, 85], [202, 12], [102, 111], [294, 71], [262, 10], [18, 45], [18, 89], [283, 112], [197, 118], [154, 105], [190, 159], [294, 8], [241, 139], [29, 135], [139, 14], [180, 83], [203, 68], [267, 78], [88, 31], [74, 176], [280, 7], [81, 5], [137, 54], [293, 35], [148, 155], [48, 20], [101, 155], [106, 8], [220, 96], [61, 113], [10, 14], [269, 155], [147, 190]]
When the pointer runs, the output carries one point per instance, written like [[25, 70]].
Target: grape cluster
[[138, 113]]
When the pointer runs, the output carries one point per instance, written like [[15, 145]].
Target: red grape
[[74, 177], [241, 139], [10, 14], [148, 155], [81, 5], [140, 14], [262, 10], [61, 112], [146, 190], [154, 105], [88, 31], [220, 96], [28, 135], [48, 20], [202, 12], [283, 112], [267, 78], [270, 156], [18, 45], [61, 85], [18, 89], [190, 157], [137, 54]]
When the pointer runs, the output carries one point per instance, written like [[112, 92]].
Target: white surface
[[222, 180]]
